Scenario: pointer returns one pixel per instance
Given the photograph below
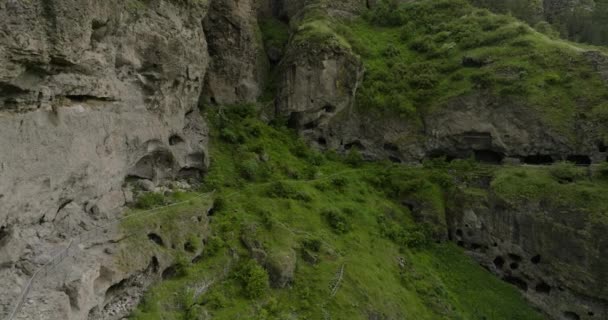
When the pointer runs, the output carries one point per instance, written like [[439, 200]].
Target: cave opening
[[488, 156], [516, 281], [535, 259], [570, 315], [391, 147], [499, 262], [514, 257], [3, 233], [542, 287], [322, 141], [578, 159], [537, 159], [601, 147], [394, 159], [175, 139], [355, 144], [514, 265], [329, 108], [156, 239], [170, 272]]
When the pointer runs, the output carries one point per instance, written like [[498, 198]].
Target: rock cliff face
[[93, 94], [555, 255]]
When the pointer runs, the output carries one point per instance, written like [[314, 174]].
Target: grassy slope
[[414, 62], [391, 267]]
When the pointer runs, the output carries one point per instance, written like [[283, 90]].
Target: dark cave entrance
[[488, 156], [537, 159], [581, 160]]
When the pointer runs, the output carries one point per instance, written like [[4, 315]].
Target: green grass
[[414, 63], [332, 215]]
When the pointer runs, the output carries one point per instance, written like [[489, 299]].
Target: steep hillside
[[302, 235], [305, 159]]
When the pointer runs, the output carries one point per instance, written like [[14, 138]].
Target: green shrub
[[354, 158], [249, 169], [602, 171], [181, 265], [387, 14], [337, 220], [254, 279], [312, 244], [150, 200], [565, 172], [214, 245], [230, 136]]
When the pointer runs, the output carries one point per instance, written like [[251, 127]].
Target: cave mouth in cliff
[[175, 139], [394, 159], [499, 262], [150, 165], [578, 159], [355, 144], [516, 281], [438, 154], [329, 108], [156, 239], [601, 147], [322, 141], [4, 233], [570, 315], [488, 156], [535, 259], [542, 287], [538, 159]]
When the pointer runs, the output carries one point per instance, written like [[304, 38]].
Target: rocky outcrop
[[92, 94], [555, 255], [238, 65]]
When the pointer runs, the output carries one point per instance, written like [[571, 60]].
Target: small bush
[[337, 220], [249, 169], [565, 172], [354, 158], [254, 280], [602, 171], [214, 245], [230, 136], [150, 200], [312, 244]]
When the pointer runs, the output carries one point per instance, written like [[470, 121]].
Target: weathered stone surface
[[555, 255], [238, 64], [91, 93]]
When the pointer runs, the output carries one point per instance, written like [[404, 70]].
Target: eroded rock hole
[[499, 262], [514, 265], [190, 173], [570, 315], [601, 147], [189, 247], [516, 281], [391, 147], [329, 108], [156, 239], [460, 243], [537, 159], [394, 159], [535, 259], [436, 154], [579, 159], [459, 232], [355, 144], [4, 233], [542, 287], [476, 246], [175, 139], [146, 167], [170, 272], [115, 289], [154, 265], [514, 257], [488, 156], [310, 125], [322, 141]]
